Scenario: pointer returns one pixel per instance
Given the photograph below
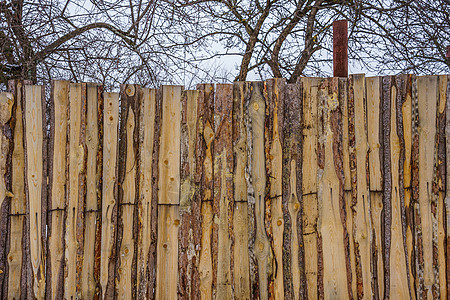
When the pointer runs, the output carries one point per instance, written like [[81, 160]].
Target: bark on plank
[[261, 248], [275, 89], [109, 194], [206, 123], [427, 87], [145, 200], [439, 184], [94, 162], [447, 184], [35, 188], [190, 201], [358, 145], [313, 271], [395, 262], [223, 191], [167, 251], [129, 173], [169, 153], [330, 181], [6, 147], [294, 276], [74, 225], [57, 184], [17, 251], [240, 217]]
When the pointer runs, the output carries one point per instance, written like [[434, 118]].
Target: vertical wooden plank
[[374, 113], [206, 127], [309, 188], [359, 150], [395, 262], [94, 163], [447, 181], [294, 259], [57, 184], [152, 258], [129, 172], [35, 188], [167, 251], [75, 189], [109, 194], [6, 143], [17, 251], [223, 190], [439, 185], [240, 216], [169, 193], [275, 89], [407, 178], [169, 154], [145, 200], [257, 188], [190, 201], [330, 183], [427, 87]]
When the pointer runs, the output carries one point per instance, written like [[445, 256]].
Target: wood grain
[[109, 194], [57, 186], [35, 188]]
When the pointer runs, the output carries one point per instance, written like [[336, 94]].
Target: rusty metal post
[[340, 48]]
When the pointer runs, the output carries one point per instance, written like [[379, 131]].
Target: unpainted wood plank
[[109, 193], [17, 253], [223, 190], [92, 238], [6, 105], [374, 131], [427, 87], [258, 180], [294, 280], [439, 184], [447, 183], [275, 89], [167, 251], [57, 186], [190, 201], [206, 123], [359, 150], [309, 185], [74, 188], [169, 153], [35, 190], [409, 208], [331, 222], [240, 217], [129, 172], [144, 237]]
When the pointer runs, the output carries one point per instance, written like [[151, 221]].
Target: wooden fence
[[330, 188]]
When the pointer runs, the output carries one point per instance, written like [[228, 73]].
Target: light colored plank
[[205, 264], [427, 100], [330, 191], [398, 283], [240, 213], [309, 183], [147, 117], [58, 186], [262, 249], [109, 192], [75, 160], [17, 252], [167, 252], [128, 152], [360, 190], [34, 144], [274, 162], [169, 153]]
